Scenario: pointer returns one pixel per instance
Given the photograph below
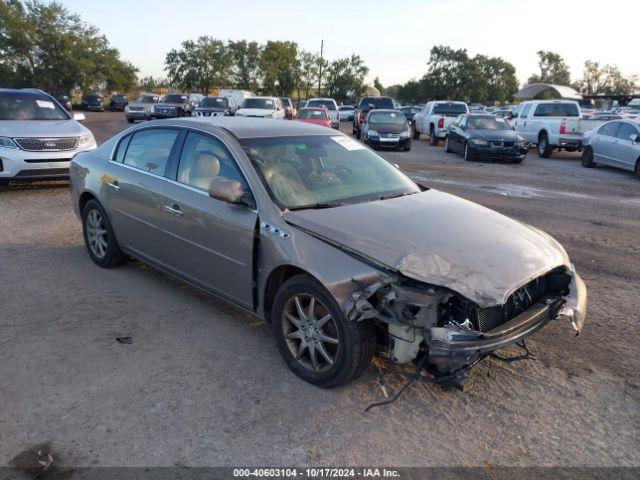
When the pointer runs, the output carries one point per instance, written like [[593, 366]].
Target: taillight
[[441, 122], [563, 128]]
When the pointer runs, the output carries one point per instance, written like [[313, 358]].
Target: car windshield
[[147, 99], [266, 103], [342, 109], [330, 104], [487, 123], [395, 118], [377, 102], [321, 171], [172, 98], [312, 113], [214, 102], [118, 98], [286, 102], [29, 106], [449, 108]]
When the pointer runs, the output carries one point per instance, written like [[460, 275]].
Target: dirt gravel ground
[[202, 384]]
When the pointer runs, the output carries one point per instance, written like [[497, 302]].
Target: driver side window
[[204, 158]]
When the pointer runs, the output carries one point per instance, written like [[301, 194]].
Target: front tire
[[587, 158], [314, 337], [468, 155], [99, 237]]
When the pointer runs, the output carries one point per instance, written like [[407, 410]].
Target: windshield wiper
[[395, 195], [318, 206]]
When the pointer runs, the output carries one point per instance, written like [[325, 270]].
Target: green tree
[[279, 64], [553, 69], [308, 73], [378, 85], [499, 77], [245, 71], [43, 45], [199, 65], [605, 80], [345, 78]]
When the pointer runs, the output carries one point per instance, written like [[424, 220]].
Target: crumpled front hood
[[506, 135], [442, 240], [41, 128], [257, 112]]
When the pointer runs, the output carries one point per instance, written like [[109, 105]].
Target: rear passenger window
[[525, 110], [122, 148], [609, 129], [149, 150], [205, 158], [626, 131]]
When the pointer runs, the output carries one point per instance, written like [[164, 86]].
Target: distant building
[[537, 91]]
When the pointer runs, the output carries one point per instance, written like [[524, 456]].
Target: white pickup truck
[[435, 117], [552, 125]]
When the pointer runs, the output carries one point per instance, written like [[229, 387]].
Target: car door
[[207, 241], [522, 122], [133, 184], [462, 134], [604, 144], [453, 134], [626, 151]]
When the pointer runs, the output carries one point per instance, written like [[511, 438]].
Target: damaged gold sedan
[[317, 234]]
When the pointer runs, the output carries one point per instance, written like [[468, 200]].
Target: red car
[[317, 115]]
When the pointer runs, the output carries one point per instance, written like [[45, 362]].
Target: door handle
[[114, 185], [174, 210]]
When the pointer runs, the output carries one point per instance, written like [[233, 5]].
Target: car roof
[[32, 91], [242, 127]]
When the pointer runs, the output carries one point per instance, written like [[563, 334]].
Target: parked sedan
[[615, 143], [118, 103], [316, 115], [486, 137], [386, 129], [64, 100], [331, 106], [93, 101], [318, 235], [346, 113]]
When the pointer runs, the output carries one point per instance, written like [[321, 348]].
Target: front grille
[[501, 144], [49, 172], [46, 144], [486, 319]]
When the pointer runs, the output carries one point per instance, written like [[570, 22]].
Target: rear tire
[[433, 138], [99, 237], [638, 168], [4, 185], [300, 335], [130, 120], [587, 158], [416, 133], [447, 149], [544, 149]]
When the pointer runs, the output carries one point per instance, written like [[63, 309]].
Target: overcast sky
[[393, 38]]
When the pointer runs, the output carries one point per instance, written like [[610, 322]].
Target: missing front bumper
[[450, 349]]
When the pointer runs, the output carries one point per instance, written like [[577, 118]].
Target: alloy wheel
[[310, 332], [97, 233]]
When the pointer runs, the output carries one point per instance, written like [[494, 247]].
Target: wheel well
[[277, 277], [84, 198], [541, 133], [432, 127]]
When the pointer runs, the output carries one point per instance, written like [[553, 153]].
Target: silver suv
[[38, 137]]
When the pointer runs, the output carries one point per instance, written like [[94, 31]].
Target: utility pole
[[320, 75]]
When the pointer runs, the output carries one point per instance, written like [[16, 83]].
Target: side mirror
[[78, 117], [226, 190], [514, 115]]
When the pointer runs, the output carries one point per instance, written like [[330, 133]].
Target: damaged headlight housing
[[479, 141], [372, 133], [7, 142]]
